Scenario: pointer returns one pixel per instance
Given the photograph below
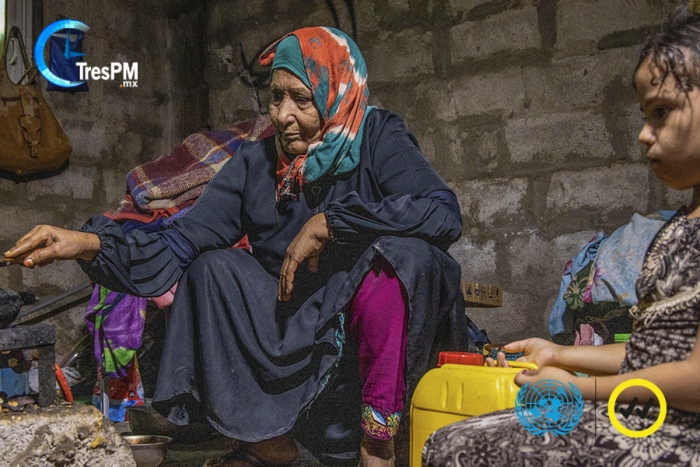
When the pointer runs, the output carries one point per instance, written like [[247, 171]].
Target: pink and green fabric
[[116, 321]]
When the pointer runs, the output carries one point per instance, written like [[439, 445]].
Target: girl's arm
[[589, 359], [679, 382]]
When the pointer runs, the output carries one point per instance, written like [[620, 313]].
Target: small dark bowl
[[148, 451]]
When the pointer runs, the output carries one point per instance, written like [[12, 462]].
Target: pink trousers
[[377, 321]]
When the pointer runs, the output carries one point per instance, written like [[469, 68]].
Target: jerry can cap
[[460, 358]]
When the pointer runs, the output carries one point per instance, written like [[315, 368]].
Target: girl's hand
[[499, 362], [539, 351], [308, 244], [549, 372], [45, 243]]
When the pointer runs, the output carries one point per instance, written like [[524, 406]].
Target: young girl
[[662, 348]]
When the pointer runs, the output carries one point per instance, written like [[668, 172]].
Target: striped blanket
[[174, 181]]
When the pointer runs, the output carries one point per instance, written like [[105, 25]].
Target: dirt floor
[[194, 454], [183, 453]]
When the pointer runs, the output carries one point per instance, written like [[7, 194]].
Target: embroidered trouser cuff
[[377, 321]]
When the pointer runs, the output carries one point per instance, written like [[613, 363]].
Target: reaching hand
[[308, 244], [539, 351], [500, 361], [45, 243]]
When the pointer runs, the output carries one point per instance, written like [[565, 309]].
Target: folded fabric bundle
[[161, 187], [605, 271]]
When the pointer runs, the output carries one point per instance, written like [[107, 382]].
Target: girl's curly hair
[[675, 50]]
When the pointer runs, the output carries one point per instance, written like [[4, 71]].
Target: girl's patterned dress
[[666, 326]]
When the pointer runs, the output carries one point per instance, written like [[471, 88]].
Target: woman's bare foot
[[376, 452]]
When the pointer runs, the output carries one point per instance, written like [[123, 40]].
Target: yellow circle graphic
[[645, 384]]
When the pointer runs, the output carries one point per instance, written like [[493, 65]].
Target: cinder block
[[369, 25], [556, 136], [582, 23], [489, 93], [606, 188], [7, 186], [478, 261], [580, 82], [509, 31], [16, 221], [220, 14], [59, 277], [402, 5], [510, 322], [531, 255], [90, 140], [253, 40], [464, 6], [675, 198], [227, 106], [463, 151], [490, 201], [633, 122], [69, 324], [5, 271], [405, 55], [114, 183], [74, 183]]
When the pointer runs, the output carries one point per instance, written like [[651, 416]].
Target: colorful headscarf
[[332, 66]]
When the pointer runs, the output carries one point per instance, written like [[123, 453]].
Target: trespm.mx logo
[[126, 73]]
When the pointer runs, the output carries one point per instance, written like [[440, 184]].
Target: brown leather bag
[[31, 139]]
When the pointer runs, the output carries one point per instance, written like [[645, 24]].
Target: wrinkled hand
[[45, 244], [549, 372], [307, 245]]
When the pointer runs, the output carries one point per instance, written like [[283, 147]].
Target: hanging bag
[[31, 139]]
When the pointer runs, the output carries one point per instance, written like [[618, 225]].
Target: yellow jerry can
[[454, 392]]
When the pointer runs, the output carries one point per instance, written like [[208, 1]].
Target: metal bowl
[[148, 450]]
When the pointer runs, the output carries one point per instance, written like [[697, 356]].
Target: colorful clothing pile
[[600, 280]]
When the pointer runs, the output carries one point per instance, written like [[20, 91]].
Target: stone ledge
[[66, 435]]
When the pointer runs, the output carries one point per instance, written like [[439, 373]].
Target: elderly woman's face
[[293, 112]]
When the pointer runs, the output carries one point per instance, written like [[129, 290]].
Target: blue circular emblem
[[549, 406], [41, 46]]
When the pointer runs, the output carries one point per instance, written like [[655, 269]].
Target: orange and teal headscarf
[[329, 62]]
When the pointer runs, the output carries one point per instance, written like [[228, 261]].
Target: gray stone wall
[[111, 129], [525, 107]]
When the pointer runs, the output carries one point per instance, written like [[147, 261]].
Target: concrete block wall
[[525, 107], [111, 129]]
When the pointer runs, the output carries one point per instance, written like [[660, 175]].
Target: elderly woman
[[255, 338]]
